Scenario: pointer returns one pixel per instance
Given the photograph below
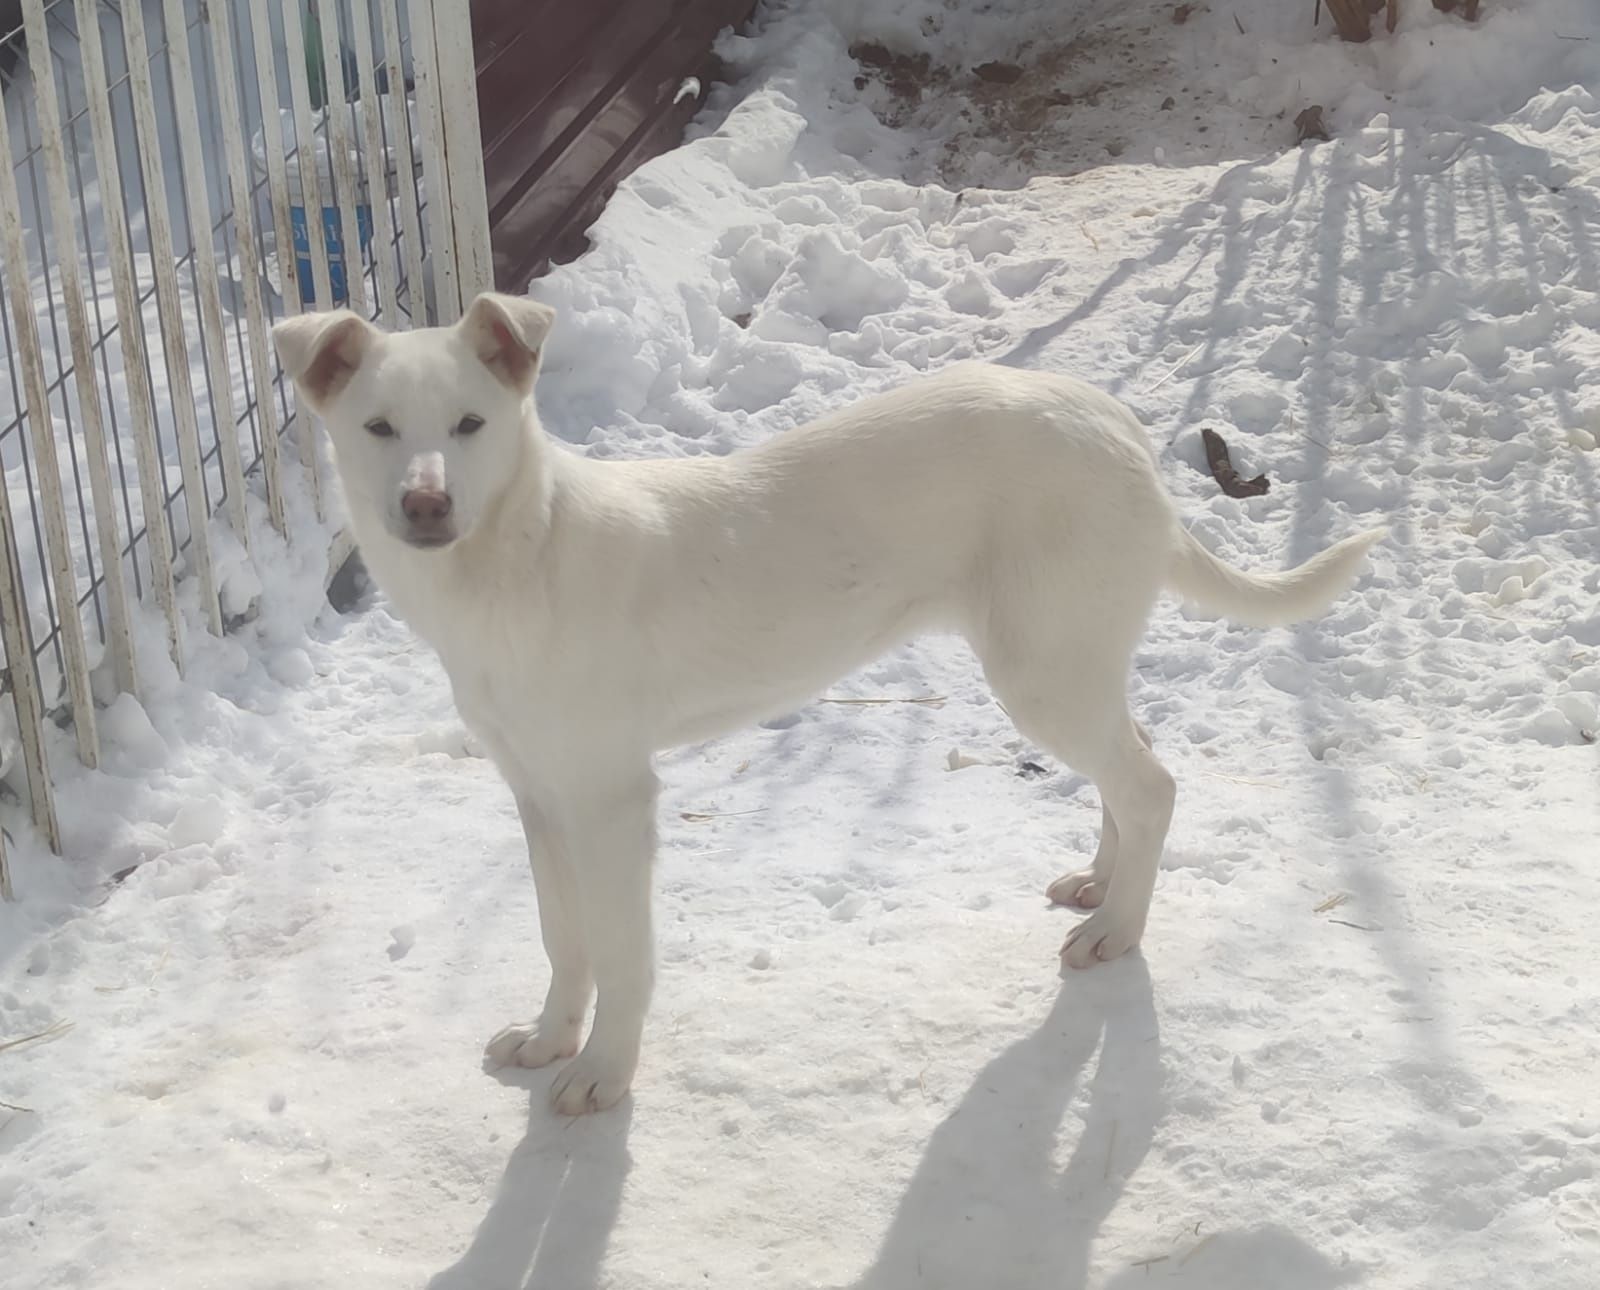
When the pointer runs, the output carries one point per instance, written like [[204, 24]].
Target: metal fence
[[174, 176]]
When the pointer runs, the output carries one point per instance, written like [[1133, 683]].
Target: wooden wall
[[572, 95]]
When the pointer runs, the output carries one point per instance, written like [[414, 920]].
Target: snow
[[1358, 1047]]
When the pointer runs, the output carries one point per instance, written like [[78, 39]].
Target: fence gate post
[[435, 172], [463, 141]]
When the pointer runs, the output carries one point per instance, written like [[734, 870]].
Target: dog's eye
[[380, 429], [469, 424]]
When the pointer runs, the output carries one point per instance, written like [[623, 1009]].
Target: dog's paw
[[530, 1046], [1081, 890], [1099, 939], [592, 1081]]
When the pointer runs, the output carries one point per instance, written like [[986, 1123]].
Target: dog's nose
[[426, 507]]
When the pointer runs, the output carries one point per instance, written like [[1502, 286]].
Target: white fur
[[590, 614]]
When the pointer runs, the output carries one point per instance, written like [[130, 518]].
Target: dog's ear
[[506, 333], [321, 352]]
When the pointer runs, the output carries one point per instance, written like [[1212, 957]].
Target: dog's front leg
[[555, 1035], [609, 838]]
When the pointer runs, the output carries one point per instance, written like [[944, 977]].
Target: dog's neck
[[519, 514]]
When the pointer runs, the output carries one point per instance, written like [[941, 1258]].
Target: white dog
[[592, 613]]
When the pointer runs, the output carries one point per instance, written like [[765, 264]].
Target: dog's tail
[[1267, 599]]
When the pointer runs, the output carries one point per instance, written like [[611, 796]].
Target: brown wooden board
[[571, 98]]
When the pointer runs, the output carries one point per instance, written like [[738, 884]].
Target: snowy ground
[[1353, 1050]]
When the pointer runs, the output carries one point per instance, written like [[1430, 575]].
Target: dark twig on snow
[[1310, 125], [1222, 468]]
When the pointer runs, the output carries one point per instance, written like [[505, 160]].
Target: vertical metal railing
[[175, 176]]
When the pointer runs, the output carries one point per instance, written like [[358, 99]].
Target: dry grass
[[700, 817], [54, 1031], [926, 701]]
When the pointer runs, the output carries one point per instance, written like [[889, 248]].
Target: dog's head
[[427, 426]]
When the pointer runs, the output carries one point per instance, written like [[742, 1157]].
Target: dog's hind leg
[[1139, 793], [1086, 888], [1063, 681], [555, 1035]]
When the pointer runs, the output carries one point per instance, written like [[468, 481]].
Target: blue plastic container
[[334, 242]]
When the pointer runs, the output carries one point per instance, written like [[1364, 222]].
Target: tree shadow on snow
[[991, 1204], [1365, 228], [558, 1200]]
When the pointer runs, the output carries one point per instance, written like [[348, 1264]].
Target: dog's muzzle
[[427, 512], [425, 504]]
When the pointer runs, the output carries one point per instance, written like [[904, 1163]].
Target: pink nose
[[426, 506]]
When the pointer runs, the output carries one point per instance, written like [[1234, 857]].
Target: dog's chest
[[511, 686]]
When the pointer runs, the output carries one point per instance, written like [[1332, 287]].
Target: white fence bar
[[406, 166], [213, 339], [441, 237], [376, 162], [46, 467], [18, 638], [463, 170], [170, 308], [118, 626], [305, 138], [336, 107], [257, 323], [278, 191], [130, 326], [275, 151], [311, 205], [15, 629]]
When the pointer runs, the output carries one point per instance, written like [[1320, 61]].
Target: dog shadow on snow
[[993, 1203], [557, 1202], [1018, 1180]]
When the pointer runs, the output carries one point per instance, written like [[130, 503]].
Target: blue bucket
[[335, 245]]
